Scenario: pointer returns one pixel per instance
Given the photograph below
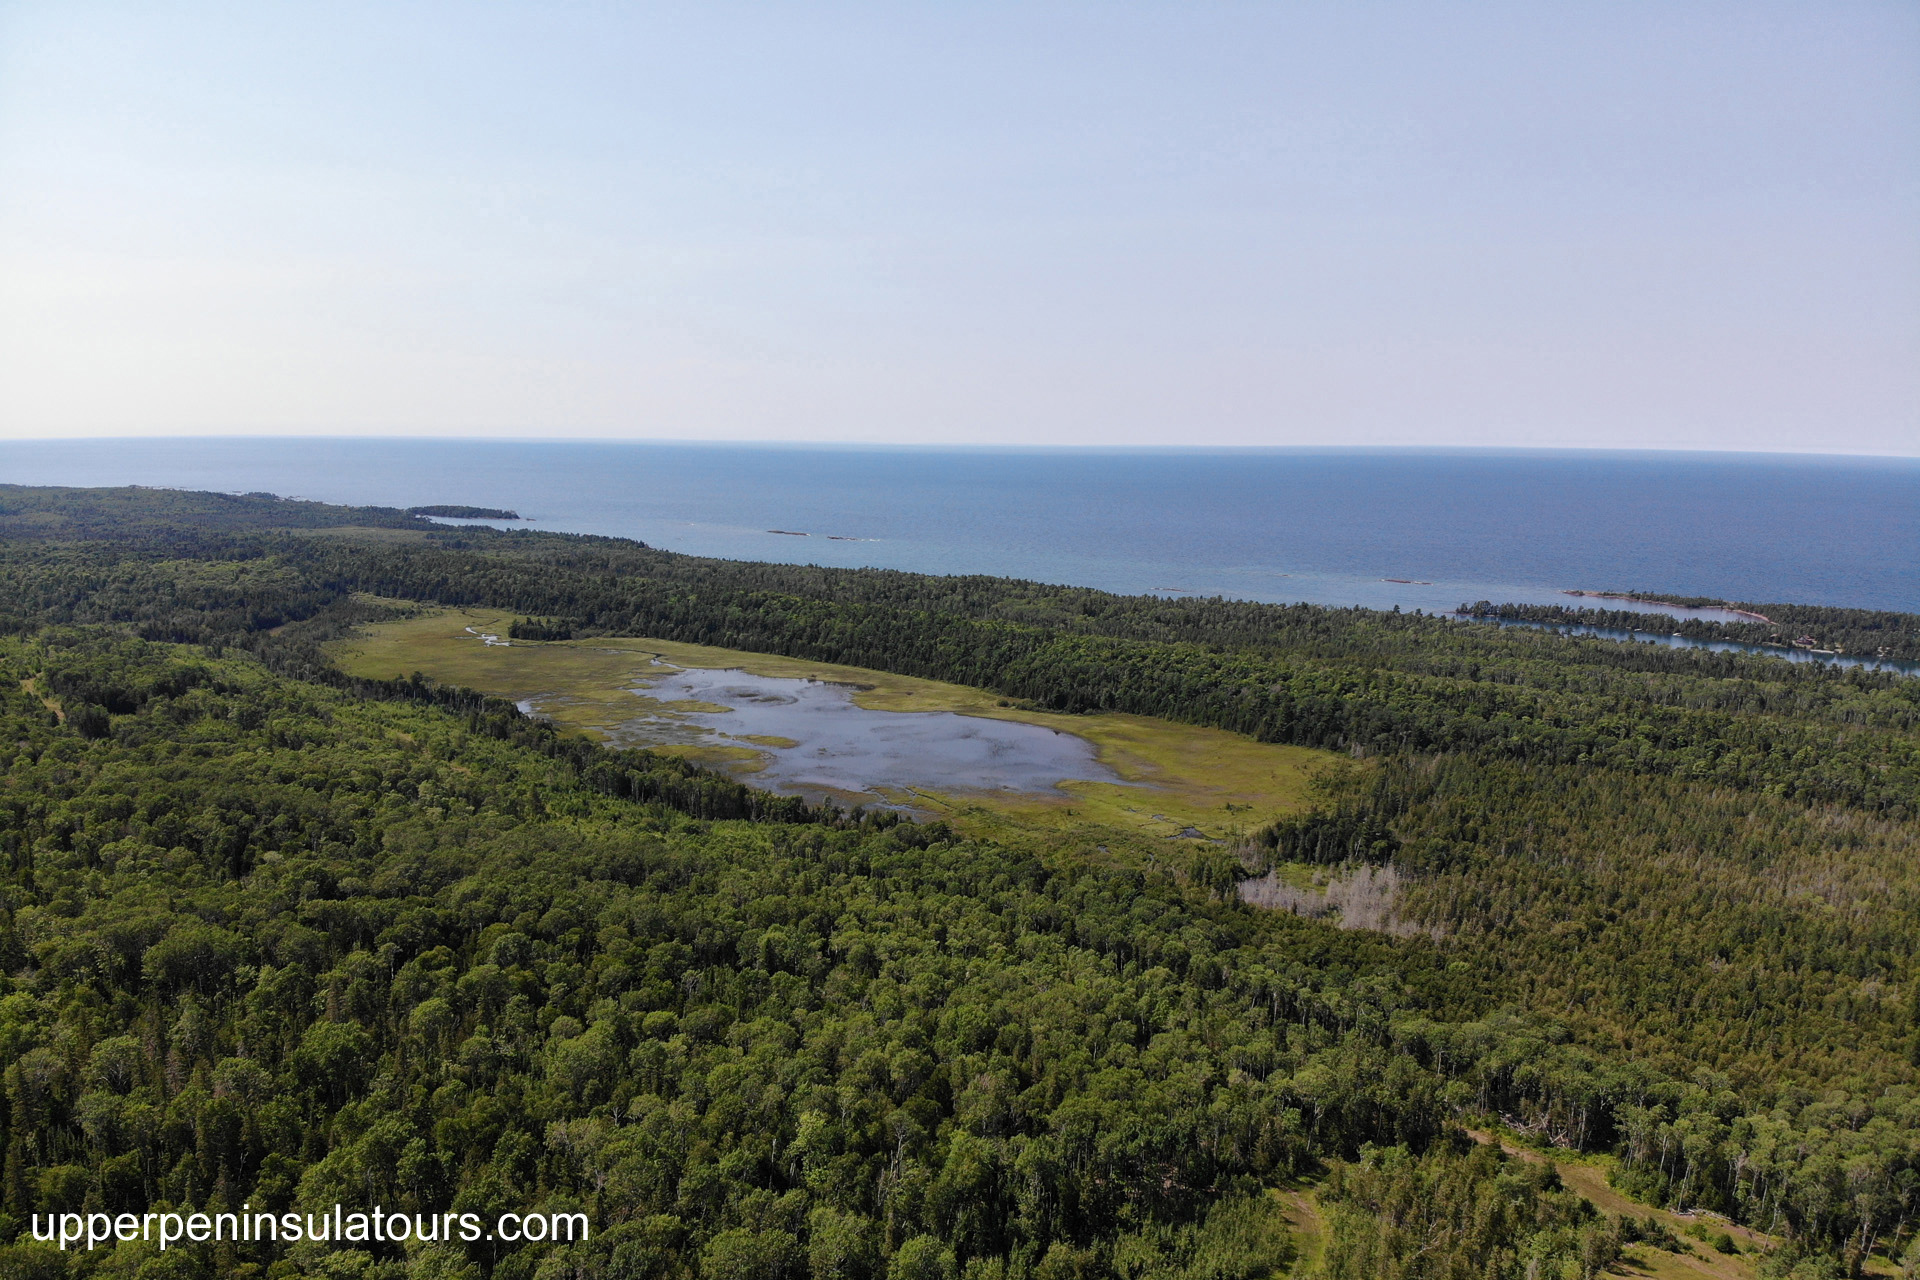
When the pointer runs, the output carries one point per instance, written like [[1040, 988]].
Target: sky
[[1639, 225]]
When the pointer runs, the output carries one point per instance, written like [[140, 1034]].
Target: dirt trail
[[1308, 1227], [32, 685], [1702, 1262], [1643, 1260]]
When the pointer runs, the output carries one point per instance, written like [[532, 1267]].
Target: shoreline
[[1723, 606]]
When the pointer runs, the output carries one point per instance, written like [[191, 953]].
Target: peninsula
[[1376, 918], [455, 512]]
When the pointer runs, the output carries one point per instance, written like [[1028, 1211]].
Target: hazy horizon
[[936, 446], [1494, 225]]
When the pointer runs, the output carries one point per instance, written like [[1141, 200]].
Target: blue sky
[[1685, 225]]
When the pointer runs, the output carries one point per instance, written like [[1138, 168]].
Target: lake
[[1378, 528]]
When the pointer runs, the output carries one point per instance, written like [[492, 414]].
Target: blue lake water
[[1324, 526], [835, 747]]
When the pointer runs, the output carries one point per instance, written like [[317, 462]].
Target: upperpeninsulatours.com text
[[91, 1230]]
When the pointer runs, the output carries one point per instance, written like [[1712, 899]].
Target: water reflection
[[814, 740]]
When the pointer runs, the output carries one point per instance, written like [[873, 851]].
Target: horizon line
[[979, 447]]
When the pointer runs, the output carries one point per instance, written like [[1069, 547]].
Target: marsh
[[813, 739]]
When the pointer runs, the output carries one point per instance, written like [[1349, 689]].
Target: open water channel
[[1784, 653]]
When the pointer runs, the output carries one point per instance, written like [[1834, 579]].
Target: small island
[[464, 513]]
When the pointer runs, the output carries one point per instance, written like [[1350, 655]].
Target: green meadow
[[1187, 778]]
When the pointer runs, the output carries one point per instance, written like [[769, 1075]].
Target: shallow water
[[1782, 652], [846, 748]]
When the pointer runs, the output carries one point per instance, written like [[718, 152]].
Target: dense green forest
[[275, 936], [458, 512]]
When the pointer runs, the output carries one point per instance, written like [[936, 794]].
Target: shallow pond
[[815, 740]]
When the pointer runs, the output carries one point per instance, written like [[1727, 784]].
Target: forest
[[276, 936], [456, 511]]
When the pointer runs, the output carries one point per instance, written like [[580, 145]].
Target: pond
[[813, 739]]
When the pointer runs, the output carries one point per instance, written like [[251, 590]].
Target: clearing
[[1173, 781]]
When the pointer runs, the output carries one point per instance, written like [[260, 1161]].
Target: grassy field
[[1187, 779]]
